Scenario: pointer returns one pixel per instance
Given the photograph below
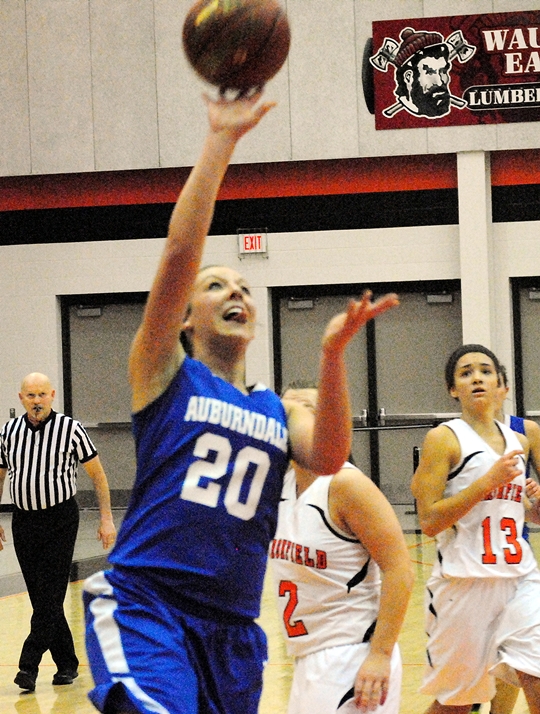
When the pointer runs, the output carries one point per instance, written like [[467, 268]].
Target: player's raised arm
[[359, 507], [156, 353], [322, 443]]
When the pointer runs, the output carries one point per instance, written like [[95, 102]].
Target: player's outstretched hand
[[372, 680], [236, 116], [344, 326]]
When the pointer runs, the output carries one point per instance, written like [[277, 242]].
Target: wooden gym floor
[[72, 699]]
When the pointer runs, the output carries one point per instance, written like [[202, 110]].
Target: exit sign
[[252, 242]]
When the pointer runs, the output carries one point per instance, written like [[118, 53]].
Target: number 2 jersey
[[327, 586], [210, 465], [487, 541]]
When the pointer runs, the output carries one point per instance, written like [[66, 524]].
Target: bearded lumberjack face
[[423, 82], [422, 62]]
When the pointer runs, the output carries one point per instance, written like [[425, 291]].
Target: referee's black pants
[[44, 542]]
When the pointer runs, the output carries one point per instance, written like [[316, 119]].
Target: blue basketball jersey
[[517, 424], [203, 510]]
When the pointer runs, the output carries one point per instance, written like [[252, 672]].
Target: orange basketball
[[236, 44]]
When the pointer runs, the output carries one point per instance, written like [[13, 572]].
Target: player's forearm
[[192, 215], [446, 512], [332, 435], [395, 593]]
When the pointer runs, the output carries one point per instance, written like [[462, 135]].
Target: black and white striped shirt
[[42, 460]]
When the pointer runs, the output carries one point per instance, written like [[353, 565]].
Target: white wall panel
[[272, 139], [442, 8], [181, 114], [260, 359], [390, 9], [518, 248], [451, 139], [25, 321], [124, 84], [60, 86], [14, 113], [518, 135], [514, 5], [503, 304], [323, 69], [364, 256]]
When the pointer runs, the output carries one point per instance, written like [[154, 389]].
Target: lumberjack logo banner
[[447, 71]]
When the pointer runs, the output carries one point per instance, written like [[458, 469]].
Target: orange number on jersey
[[513, 554], [297, 628], [489, 557]]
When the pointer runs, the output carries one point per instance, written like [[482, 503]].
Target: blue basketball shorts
[[147, 655]]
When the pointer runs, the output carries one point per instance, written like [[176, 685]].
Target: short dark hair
[[503, 376], [457, 354]]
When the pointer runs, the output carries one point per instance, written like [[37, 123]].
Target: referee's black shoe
[[65, 677], [26, 680]]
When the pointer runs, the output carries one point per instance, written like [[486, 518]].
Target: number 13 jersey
[[327, 586], [486, 542]]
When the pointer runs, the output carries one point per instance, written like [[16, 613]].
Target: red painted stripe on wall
[[303, 178], [515, 168]]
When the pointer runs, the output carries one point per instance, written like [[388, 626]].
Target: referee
[[40, 451]]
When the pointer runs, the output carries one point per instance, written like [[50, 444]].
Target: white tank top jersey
[[487, 541], [327, 586]]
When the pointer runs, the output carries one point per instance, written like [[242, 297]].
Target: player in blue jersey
[[170, 629]]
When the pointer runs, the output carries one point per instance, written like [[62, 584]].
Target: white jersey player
[[483, 596], [476, 547], [335, 537]]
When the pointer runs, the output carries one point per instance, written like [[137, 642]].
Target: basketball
[[236, 44]]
